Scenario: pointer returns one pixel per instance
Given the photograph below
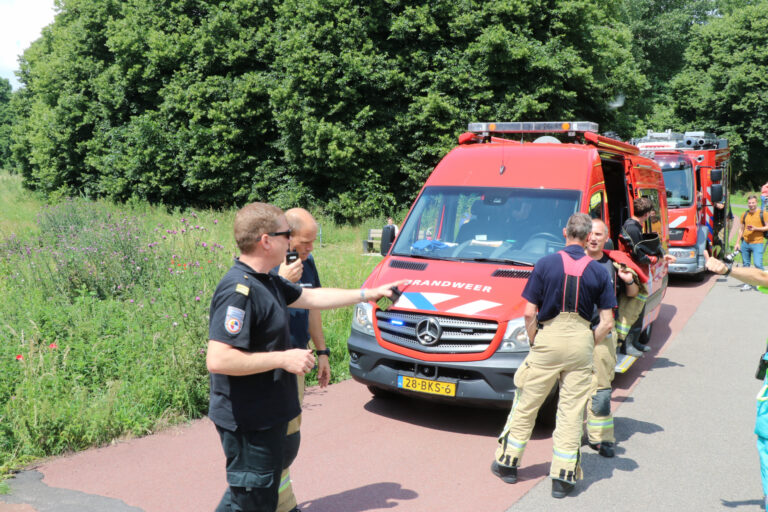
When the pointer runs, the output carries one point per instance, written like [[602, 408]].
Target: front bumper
[[486, 383], [686, 264]]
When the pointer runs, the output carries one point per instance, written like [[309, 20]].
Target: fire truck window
[[596, 207], [654, 222]]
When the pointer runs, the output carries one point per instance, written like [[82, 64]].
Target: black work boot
[[561, 489], [506, 473], [605, 449]]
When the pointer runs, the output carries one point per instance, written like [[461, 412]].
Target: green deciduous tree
[[339, 104], [6, 122], [724, 87]]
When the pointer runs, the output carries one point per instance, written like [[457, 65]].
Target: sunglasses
[[286, 234]]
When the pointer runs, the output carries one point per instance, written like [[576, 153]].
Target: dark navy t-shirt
[[545, 286], [249, 311], [300, 317]]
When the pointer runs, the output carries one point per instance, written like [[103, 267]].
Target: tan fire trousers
[[599, 418], [562, 352], [286, 500]]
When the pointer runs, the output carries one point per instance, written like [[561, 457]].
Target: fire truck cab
[[491, 208], [696, 169]]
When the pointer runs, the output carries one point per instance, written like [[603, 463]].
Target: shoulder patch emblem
[[233, 322], [241, 288]]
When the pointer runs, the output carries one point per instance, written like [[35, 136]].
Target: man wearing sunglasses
[[253, 391]]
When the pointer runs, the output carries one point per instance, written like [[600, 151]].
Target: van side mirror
[[716, 175], [716, 191]]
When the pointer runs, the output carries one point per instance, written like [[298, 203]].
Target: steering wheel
[[545, 234]]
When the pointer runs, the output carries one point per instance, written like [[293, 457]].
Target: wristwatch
[[728, 268], [324, 352]]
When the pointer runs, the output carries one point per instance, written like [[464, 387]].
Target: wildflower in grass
[[175, 324], [131, 301], [197, 298], [19, 357], [53, 346]]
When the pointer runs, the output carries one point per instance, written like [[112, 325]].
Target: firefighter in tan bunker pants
[[599, 419], [562, 292]]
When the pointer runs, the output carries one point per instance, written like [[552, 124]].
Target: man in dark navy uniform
[[252, 365], [562, 293]]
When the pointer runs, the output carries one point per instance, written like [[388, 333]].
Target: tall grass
[[104, 319]]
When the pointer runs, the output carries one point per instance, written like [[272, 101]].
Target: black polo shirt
[[634, 230], [300, 317], [545, 286], [249, 311]]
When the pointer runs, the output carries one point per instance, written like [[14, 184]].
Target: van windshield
[[506, 225]]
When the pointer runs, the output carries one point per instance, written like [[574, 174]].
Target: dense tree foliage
[[347, 105], [338, 103], [724, 86], [6, 121]]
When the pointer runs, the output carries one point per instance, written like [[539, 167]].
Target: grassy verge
[[104, 321]]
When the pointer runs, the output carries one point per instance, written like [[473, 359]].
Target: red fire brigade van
[[492, 207], [696, 168]]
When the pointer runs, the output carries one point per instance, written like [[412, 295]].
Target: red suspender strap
[[573, 270]]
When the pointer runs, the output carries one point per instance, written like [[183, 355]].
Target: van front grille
[[458, 335]]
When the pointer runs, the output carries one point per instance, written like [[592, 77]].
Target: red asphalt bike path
[[357, 453]]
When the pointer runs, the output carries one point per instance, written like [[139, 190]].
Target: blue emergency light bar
[[534, 127]]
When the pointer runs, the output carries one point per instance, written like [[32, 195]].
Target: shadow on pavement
[[444, 417], [369, 497], [627, 427], [743, 503], [663, 362], [679, 281]]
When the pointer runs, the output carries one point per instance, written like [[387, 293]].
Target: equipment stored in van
[[491, 208]]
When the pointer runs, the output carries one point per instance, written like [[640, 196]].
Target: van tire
[[645, 336]]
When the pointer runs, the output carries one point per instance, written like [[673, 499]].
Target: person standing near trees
[[754, 224], [562, 293], [305, 325], [253, 385]]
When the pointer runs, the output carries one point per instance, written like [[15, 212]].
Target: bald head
[[597, 238], [303, 231]]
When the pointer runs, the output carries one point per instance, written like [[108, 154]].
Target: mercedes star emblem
[[428, 331]]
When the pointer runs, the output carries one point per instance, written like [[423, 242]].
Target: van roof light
[[534, 127]]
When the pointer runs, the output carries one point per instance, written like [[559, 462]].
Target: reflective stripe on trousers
[[562, 353]]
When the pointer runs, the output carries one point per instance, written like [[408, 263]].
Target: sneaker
[[746, 287], [561, 489], [506, 473], [605, 449]]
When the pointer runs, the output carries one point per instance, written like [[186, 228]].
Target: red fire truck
[[696, 172], [491, 208]]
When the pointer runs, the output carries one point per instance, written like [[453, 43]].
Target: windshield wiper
[[424, 256], [505, 261]]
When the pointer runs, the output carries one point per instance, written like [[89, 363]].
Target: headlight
[[362, 318], [515, 338]]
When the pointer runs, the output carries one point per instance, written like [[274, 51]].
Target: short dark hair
[[642, 206]]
